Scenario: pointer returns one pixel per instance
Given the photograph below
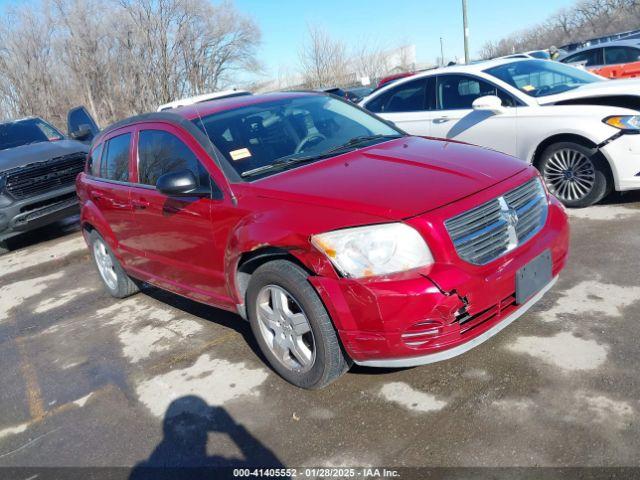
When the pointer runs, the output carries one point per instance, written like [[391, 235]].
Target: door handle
[[441, 119], [140, 204]]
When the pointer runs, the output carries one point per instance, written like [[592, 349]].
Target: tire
[[574, 174], [283, 280], [4, 248], [113, 276]]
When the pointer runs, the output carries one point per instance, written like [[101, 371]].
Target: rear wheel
[[292, 327], [576, 176], [115, 279]]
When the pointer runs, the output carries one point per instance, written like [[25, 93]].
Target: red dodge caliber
[[337, 236]]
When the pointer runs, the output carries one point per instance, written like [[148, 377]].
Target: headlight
[[628, 123], [374, 250]]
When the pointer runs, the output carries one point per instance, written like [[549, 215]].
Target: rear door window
[[115, 160], [161, 152], [615, 55], [587, 58], [407, 97]]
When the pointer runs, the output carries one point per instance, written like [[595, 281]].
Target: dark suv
[[38, 167]]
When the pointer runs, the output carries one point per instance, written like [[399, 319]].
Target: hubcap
[[105, 264], [569, 174], [285, 328]]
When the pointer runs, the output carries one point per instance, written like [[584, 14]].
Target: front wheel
[[576, 176], [292, 327]]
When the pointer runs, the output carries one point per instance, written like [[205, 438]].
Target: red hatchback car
[[339, 237]]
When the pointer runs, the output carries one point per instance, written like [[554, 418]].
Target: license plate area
[[532, 278]]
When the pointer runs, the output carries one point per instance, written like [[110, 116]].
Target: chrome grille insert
[[496, 227]]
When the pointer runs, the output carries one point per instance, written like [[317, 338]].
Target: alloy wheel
[[569, 174], [285, 328], [105, 264]]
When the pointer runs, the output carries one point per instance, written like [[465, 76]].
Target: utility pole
[[466, 31], [441, 53]]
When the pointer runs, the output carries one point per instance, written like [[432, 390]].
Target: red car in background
[[390, 78], [339, 237]]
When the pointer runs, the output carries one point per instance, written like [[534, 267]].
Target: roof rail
[[628, 35]]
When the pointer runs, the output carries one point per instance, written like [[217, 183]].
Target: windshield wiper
[[355, 141], [283, 162]]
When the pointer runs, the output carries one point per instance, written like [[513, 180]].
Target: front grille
[[496, 227], [45, 176]]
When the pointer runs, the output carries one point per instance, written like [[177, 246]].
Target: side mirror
[[488, 103], [179, 184], [82, 133]]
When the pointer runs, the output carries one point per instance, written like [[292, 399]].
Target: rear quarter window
[[93, 161], [114, 164]]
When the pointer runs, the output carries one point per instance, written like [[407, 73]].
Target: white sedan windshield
[[539, 78]]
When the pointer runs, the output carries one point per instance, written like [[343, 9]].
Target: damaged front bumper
[[463, 347], [426, 316], [623, 153]]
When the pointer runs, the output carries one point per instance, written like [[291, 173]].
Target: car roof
[[184, 115], [475, 67], [231, 103], [5, 122], [203, 98]]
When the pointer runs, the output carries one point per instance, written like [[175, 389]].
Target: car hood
[[597, 89], [396, 179], [38, 152]]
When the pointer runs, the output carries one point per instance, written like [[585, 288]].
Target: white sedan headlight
[[374, 250], [626, 123]]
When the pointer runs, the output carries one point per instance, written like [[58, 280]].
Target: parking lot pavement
[[88, 380]]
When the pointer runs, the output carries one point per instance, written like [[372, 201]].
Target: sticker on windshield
[[528, 88], [240, 154]]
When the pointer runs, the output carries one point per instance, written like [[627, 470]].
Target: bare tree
[[26, 42], [119, 57], [370, 60], [323, 60], [586, 19]]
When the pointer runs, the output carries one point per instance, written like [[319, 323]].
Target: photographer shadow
[[182, 453]]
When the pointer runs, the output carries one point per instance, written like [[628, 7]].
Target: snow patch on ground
[[39, 254], [602, 212], [514, 406], [146, 329], [81, 402], [13, 430], [563, 350], [414, 400], [61, 299], [476, 374], [598, 408], [14, 294], [216, 381], [591, 297]]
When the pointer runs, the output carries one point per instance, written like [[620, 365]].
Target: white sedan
[[580, 130]]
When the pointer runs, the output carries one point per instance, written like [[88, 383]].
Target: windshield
[[24, 132], [539, 78], [260, 137]]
